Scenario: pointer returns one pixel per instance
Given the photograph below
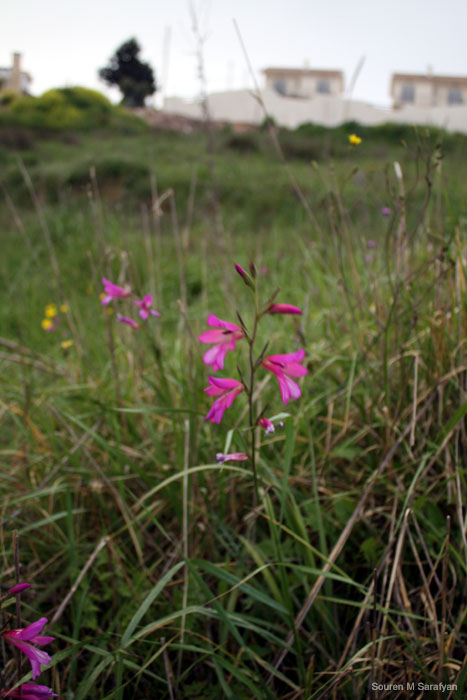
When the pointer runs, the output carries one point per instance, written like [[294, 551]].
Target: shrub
[[65, 108]]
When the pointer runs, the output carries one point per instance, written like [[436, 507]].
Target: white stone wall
[[243, 106]]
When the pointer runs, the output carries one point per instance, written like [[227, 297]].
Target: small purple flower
[[371, 243], [367, 259], [386, 211]]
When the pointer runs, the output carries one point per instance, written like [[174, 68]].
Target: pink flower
[[112, 291], [145, 307], [284, 309], [227, 390], [224, 338], [266, 423], [284, 367], [23, 639], [371, 243], [31, 691], [231, 457], [385, 211], [129, 321]]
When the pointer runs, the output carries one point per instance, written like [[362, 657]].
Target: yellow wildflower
[[64, 308], [66, 344], [50, 311], [46, 324], [354, 139]]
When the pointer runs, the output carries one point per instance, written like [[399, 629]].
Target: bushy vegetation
[[160, 574], [63, 109]]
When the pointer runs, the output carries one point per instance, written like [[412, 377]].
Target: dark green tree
[[134, 78]]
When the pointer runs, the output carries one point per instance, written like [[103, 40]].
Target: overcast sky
[[65, 42]]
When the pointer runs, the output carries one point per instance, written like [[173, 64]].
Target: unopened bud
[[245, 276]]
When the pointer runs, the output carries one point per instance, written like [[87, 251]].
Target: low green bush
[[74, 108]]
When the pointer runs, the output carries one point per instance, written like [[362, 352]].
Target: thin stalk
[[18, 597], [251, 407]]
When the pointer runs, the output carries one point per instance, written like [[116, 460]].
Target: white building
[[294, 96], [304, 82], [408, 89], [14, 79]]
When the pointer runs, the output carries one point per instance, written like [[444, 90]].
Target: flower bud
[[284, 309], [245, 276]]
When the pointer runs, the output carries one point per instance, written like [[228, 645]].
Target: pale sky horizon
[[65, 42]]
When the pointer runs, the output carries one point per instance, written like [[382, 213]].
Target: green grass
[[351, 567]]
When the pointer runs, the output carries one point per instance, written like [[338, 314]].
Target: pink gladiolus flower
[[284, 367], [129, 321], [227, 390], [267, 425], [23, 639], [145, 307], [232, 457], [18, 588], [31, 691], [284, 309], [113, 291], [224, 338]]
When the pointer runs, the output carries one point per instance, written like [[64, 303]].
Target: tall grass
[[140, 548]]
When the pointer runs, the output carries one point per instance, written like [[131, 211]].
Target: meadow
[[163, 572]]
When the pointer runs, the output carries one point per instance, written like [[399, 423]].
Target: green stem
[[252, 420]]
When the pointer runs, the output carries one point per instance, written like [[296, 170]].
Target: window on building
[[323, 87], [280, 86], [408, 93], [455, 96]]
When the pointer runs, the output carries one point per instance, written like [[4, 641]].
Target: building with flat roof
[[428, 90], [304, 82], [14, 79]]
